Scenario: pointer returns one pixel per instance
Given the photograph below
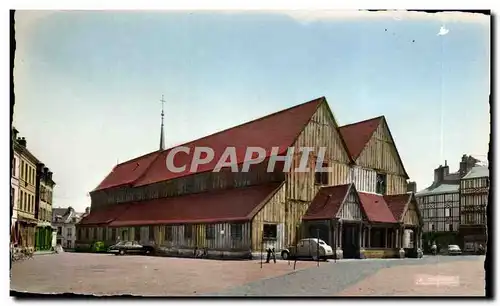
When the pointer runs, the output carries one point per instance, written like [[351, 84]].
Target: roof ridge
[[248, 122], [363, 121], [138, 157]]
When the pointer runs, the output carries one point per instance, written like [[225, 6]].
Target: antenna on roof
[[162, 137]]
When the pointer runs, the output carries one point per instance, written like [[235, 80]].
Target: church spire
[[162, 136]]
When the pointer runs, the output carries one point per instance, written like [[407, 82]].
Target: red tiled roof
[[280, 129], [356, 135], [238, 204], [105, 215], [327, 202], [128, 172], [397, 204], [376, 208]]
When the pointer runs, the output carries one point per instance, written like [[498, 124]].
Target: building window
[[188, 231], [12, 192], [59, 230], [321, 178], [446, 212], [168, 233], [151, 233], [450, 227], [236, 231], [69, 232], [210, 231], [270, 232], [431, 226], [381, 183], [14, 167], [137, 233]]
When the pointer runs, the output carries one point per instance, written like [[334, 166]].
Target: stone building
[[235, 213], [64, 220], [31, 198], [23, 231]]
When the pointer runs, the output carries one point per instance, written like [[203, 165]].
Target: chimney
[[467, 163], [446, 169], [411, 187], [22, 141], [438, 175], [14, 133]]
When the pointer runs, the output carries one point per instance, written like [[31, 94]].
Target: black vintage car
[[130, 247]]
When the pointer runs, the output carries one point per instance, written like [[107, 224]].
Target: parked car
[[308, 248], [129, 247], [454, 249]]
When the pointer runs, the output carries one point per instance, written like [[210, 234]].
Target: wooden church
[[360, 207]]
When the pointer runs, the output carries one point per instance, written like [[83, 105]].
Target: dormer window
[[381, 187]]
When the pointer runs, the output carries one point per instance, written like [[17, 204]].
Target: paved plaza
[[103, 274]]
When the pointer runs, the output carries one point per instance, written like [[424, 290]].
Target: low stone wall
[[381, 253]]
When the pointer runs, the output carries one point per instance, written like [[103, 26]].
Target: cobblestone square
[[102, 274]]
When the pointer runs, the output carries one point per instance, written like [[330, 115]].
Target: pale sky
[[88, 84]]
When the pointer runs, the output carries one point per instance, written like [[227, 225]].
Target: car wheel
[[122, 252], [285, 255]]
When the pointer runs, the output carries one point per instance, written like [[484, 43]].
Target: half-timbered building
[[474, 191], [440, 204], [228, 213]]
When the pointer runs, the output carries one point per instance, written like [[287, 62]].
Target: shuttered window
[[210, 231], [168, 233], [270, 232], [137, 233], [321, 178], [188, 231], [151, 233], [381, 183], [236, 231]]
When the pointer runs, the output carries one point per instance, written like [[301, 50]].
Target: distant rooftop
[[477, 171], [441, 189]]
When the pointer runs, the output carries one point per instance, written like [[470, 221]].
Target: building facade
[[64, 220], [30, 227], [474, 192], [14, 181], [26, 219], [181, 212], [440, 204], [44, 191]]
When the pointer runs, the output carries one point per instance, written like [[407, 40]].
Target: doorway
[[350, 240]]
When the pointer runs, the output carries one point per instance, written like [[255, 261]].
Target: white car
[[454, 249], [308, 248]]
